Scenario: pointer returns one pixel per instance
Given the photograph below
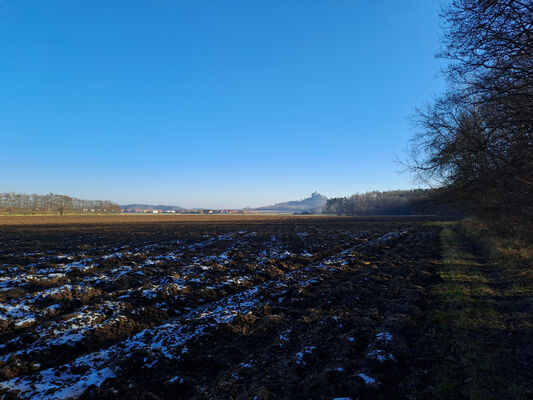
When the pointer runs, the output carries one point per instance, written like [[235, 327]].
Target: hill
[[313, 204]]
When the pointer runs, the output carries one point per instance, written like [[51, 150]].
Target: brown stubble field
[[159, 306], [113, 219]]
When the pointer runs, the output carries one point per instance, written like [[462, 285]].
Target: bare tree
[[476, 141], [52, 203]]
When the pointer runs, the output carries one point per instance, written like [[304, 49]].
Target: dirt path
[[485, 313]]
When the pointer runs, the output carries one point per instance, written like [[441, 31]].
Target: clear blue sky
[[211, 103]]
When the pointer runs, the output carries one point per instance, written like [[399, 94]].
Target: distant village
[[309, 205], [181, 211]]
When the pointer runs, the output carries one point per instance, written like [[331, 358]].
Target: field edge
[[482, 315]]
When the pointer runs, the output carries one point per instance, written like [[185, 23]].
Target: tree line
[[22, 203], [393, 202], [475, 141]]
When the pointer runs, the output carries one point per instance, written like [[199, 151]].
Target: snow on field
[[367, 379], [200, 268]]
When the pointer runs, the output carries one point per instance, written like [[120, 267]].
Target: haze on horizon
[[211, 104]]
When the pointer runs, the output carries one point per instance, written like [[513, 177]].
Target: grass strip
[[483, 316]]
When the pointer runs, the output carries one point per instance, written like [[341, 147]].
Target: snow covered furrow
[[25, 312], [171, 339], [52, 267]]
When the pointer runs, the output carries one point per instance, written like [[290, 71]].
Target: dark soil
[[291, 308]]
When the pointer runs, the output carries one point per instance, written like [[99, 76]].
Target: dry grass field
[[7, 220]]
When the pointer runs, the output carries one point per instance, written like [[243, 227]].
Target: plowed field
[[235, 308]]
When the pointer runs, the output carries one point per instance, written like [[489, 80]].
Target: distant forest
[[21, 203], [393, 202]]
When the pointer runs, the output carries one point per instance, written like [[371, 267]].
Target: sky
[[212, 103]]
